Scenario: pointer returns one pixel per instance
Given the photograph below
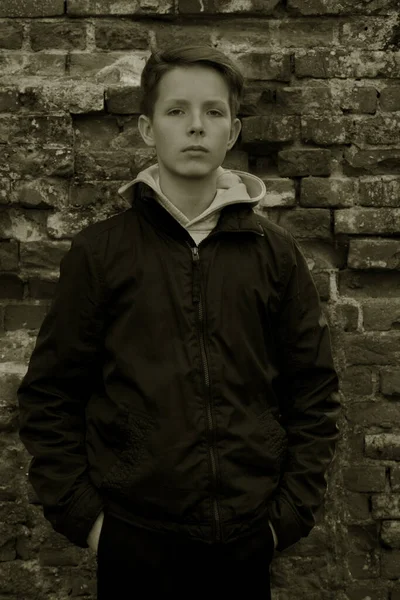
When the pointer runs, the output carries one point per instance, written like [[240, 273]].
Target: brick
[[382, 129], [303, 33], [117, 165], [367, 220], [280, 192], [54, 130], [324, 64], [74, 97], [390, 565], [28, 64], [222, 6], [363, 566], [24, 317], [390, 382], [326, 130], [359, 100], [304, 100], [39, 289], [322, 283], [224, 34], [366, 591], [8, 99], [369, 285], [37, 162], [4, 191], [371, 348], [382, 315], [31, 8], [363, 538], [356, 381], [123, 7], [374, 254], [340, 7], [328, 192], [299, 163], [51, 192], [11, 287], [356, 507], [371, 33], [373, 414], [95, 133], [383, 445], [121, 35], [63, 35], [321, 254], [345, 316], [395, 478], [43, 254], [9, 256], [372, 161], [311, 223], [94, 192], [390, 98], [11, 34], [269, 129], [264, 66], [123, 100], [379, 191], [365, 478], [85, 65], [390, 533]]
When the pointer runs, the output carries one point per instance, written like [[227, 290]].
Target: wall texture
[[321, 126]]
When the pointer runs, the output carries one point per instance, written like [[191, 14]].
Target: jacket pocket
[[275, 434]]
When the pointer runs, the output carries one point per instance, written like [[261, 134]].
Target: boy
[[181, 402]]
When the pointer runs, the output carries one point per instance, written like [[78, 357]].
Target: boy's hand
[[94, 535]]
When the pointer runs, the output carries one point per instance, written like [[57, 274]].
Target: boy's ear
[[146, 130], [235, 130]]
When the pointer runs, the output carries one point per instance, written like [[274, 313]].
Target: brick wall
[[321, 126]]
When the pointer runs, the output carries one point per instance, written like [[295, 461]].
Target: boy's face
[[192, 108]]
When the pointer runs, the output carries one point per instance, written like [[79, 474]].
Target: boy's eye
[[175, 110]]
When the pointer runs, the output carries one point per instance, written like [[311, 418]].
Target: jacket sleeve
[[310, 404], [54, 391]]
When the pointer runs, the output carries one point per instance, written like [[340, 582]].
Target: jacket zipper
[[197, 298]]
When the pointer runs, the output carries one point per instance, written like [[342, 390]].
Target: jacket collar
[[233, 218]]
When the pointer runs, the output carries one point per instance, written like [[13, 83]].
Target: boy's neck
[[191, 196]]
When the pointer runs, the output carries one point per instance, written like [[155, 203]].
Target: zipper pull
[[195, 252]]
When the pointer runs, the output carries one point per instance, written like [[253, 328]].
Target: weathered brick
[[356, 507], [123, 7], [42, 289], [364, 591], [9, 99], [84, 194], [280, 192], [29, 64], [371, 33], [11, 287], [340, 7], [264, 66], [11, 34], [382, 445], [303, 33], [299, 163], [224, 6], [269, 129], [86, 65], [43, 254], [117, 165], [390, 533], [382, 191], [37, 162], [74, 97], [31, 8], [382, 129], [322, 283], [367, 220], [373, 414], [224, 34], [41, 193], [123, 100], [5, 188], [374, 254], [328, 192], [372, 348], [363, 565], [65, 35], [395, 478], [8, 255], [382, 315], [95, 133], [326, 130], [359, 99], [321, 254], [369, 285], [52, 130], [121, 35], [304, 100], [345, 316], [371, 161], [390, 98], [24, 316], [311, 223], [390, 565], [356, 381], [108, 67], [390, 382], [364, 478], [324, 64]]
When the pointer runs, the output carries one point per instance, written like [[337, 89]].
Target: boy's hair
[[163, 61]]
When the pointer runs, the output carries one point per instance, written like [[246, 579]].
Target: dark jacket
[[184, 388]]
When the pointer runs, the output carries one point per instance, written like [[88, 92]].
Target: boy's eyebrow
[[206, 103]]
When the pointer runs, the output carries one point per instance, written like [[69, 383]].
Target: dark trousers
[[133, 561]]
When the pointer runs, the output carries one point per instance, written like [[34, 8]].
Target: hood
[[233, 187]]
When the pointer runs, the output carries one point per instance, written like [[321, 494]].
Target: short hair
[[161, 62]]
